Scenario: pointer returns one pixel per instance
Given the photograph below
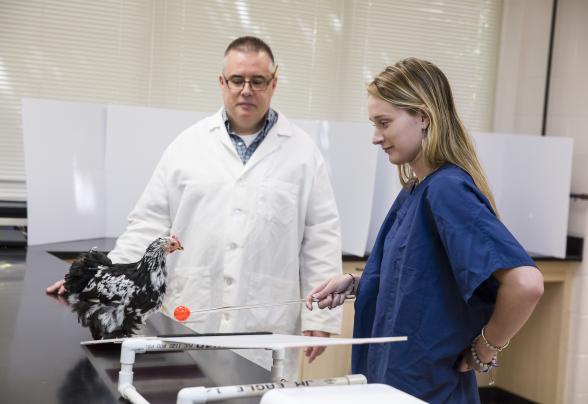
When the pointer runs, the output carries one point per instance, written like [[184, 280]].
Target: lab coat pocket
[[191, 287], [277, 201], [412, 300]]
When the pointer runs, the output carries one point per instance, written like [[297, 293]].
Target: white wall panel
[[87, 165], [532, 177], [135, 140], [64, 152], [352, 159]]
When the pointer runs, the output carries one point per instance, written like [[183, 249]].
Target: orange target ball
[[181, 313]]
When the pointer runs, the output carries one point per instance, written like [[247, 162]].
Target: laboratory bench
[[42, 361]]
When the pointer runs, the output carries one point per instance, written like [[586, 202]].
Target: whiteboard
[[64, 166], [135, 140], [531, 178], [352, 161]]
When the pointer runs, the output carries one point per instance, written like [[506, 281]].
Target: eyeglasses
[[256, 83]]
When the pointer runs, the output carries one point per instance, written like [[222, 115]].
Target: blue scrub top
[[429, 277]]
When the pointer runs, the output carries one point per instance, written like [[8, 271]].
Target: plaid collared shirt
[[243, 151]]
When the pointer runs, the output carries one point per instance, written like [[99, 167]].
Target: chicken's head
[[172, 244]]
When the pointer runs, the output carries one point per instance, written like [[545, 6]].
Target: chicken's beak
[[179, 247]]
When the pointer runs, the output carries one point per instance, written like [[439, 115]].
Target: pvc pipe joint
[[192, 395]]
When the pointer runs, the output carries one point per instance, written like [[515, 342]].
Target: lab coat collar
[[272, 142], [217, 128]]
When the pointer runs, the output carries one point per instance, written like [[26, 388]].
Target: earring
[[425, 131]]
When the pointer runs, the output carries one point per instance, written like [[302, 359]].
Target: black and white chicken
[[112, 300]]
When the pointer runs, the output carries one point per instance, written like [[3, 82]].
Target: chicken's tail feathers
[[83, 269], [94, 258]]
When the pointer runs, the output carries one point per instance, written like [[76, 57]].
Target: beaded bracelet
[[483, 367], [493, 347]]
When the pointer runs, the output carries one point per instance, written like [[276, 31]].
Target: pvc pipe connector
[[130, 347], [356, 379], [128, 350], [277, 370], [131, 394], [192, 395]]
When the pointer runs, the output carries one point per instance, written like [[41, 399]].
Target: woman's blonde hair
[[418, 86]]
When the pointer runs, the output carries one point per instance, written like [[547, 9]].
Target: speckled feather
[[114, 299]]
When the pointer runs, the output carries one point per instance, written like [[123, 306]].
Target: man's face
[[247, 107]]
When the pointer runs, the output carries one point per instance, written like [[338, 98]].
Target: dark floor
[[495, 395]]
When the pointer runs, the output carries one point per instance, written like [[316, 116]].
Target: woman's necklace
[[417, 181]]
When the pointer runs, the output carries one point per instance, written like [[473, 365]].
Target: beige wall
[[568, 110], [522, 66], [519, 105]]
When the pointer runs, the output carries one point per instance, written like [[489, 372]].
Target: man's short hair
[[250, 44]]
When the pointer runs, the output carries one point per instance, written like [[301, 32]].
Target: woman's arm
[[520, 290]]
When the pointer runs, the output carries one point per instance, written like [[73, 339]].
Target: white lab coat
[[267, 231]]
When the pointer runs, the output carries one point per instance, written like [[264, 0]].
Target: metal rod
[[249, 306], [579, 196], [549, 62]]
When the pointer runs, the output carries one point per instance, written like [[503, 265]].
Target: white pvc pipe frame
[[199, 395], [131, 347]]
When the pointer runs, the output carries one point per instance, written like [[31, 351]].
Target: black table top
[[41, 359]]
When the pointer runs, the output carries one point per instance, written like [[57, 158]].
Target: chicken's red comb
[[175, 238]]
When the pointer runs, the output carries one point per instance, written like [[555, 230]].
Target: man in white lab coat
[[248, 195]]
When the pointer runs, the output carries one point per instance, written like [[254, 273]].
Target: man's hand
[[312, 352], [57, 287], [61, 299]]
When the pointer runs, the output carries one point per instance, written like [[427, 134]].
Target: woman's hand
[[332, 293], [467, 361]]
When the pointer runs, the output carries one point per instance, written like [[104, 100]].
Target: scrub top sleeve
[[475, 241]]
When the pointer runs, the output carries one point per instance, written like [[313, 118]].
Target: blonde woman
[[444, 270]]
